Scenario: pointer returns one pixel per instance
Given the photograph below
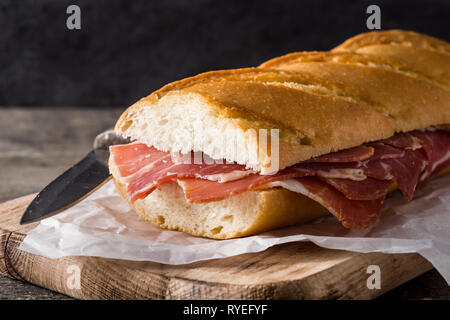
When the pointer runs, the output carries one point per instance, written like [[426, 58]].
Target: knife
[[74, 185]]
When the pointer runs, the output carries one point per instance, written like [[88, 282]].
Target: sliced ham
[[349, 170], [437, 148], [355, 214], [348, 155], [376, 169], [405, 141], [210, 190], [384, 151], [351, 183], [134, 158], [357, 171], [197, 191], [368, 189], [203, 190], [406, 170], [167, 171], [241, 179]]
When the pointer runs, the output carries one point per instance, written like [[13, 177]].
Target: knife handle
[[108, 138]]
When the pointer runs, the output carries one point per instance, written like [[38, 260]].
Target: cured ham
[[133, 158], [436, 145], [350, 183], [348, 155], [165, 171], [211, 190], [368, 189], [405, 141], [384, 151], [356, 214], [197, 190], [406, 170]]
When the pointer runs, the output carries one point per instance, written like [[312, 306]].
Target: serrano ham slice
[[203, 191], [437, 148], [354, 214], [406, 170], [348, 155], [405, 141], [133, 158], [385, 151], [212, 190], [368, 189], [167, 171]]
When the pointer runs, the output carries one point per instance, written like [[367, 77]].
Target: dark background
[[126, 49]]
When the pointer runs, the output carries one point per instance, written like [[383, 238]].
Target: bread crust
[[395, 37], [320, 101]]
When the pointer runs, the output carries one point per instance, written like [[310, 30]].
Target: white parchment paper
[[104, 226]]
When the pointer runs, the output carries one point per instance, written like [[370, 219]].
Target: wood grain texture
[[33, 151], [292, 271]]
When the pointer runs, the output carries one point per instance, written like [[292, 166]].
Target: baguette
[[367, 89], [324, 102]]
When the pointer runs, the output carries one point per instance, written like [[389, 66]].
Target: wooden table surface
[[37, 144]]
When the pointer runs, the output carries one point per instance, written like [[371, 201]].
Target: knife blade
[[75, 184]]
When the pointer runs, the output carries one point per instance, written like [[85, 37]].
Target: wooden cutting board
[[299, 270]]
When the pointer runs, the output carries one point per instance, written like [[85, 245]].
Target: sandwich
[[232, 153]]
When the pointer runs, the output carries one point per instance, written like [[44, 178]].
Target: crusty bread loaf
[[320, 101], [366, 89]]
